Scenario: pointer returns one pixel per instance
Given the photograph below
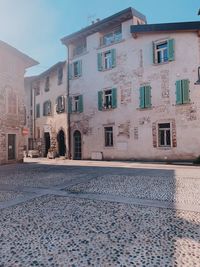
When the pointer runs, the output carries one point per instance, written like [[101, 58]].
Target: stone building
[[47, 108], [12, 109], [133, 90]]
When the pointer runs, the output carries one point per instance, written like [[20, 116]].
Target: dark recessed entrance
[[77, 145], [47, 143], [61, 143], [11, 146]]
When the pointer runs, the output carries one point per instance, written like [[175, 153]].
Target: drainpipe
[[68, 114]]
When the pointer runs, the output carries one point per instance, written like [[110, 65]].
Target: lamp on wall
[[198, 81]]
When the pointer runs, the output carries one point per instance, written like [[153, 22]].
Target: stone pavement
[[70, 213]]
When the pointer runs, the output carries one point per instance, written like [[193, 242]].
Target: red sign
[[25, 131]]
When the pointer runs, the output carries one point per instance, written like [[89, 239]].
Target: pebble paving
[[62, 231], [185, 190]]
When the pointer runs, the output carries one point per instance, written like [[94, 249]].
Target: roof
[[29, 62], [166, 27], [119, 17], [52, 68]]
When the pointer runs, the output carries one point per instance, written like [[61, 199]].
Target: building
[[12, 109], [133, 90], [47, 110]]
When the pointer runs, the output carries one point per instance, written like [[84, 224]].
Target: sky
[[35, 27]]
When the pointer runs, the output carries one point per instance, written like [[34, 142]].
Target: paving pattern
[[185, 190], [50, 215], [60, 231]]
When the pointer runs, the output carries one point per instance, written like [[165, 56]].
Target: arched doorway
[[61, 143], [77, 145], [47, 143]]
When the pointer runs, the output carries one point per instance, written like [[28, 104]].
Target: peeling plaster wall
[[133, 127]]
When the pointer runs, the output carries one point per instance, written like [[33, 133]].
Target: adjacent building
[[12, 107], [134, 89], [47, 94]]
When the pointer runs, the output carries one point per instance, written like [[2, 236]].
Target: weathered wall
[[56, 122], [135, 130], [12, 69]]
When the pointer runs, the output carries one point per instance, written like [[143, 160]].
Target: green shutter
[[69, 104], [147, 95], [114, 97], [80, 68], [170, 48], [100, 100], [154, 53], [113, 55], [178, 93], [185, 91], [99, 62], [70, 72], [80, 103], [142, 97]]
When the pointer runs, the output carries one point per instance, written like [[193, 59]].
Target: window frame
[[47, 84], [37, 112], [114, 37], [108, 133], [60, 75], [170, 51], [49, 113], [60, 108], [164, 130]]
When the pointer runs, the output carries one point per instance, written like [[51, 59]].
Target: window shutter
[[142, 97], [178, 93], [99, 61], [80, 68], [44, 109], [147, 94], [113, 55], [170, 48], [100, 100], [185, 91], [154, 53], [70, 72], [63, 103], [69, 104], [114, 97], [80, 103], [57, 105], [49, 107]]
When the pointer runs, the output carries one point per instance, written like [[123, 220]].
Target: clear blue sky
[[36, 26]]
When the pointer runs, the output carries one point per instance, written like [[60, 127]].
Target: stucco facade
[[49, 119], [12, 108], [164, 130]]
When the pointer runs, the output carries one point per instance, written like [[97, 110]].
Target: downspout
[[68, 114]]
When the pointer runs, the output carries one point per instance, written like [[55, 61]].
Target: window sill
[[184, 104], [162, 63], [75, 78], [144, 109], [164, 147], [108, 147], [107, 69], [108, 45]]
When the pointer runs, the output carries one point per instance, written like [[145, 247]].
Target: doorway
[[47, 143], [61, 143], [77, 145], [11, 146]]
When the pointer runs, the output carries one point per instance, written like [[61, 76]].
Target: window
[[47, 108], [75, 104], [106, 60], [108, 136], [164, 135], [163, 51], [79, 48], [107, 99], [60, 75], [37, 87], [182, 92], [60, 104], [145, 96], [111, 37], [37, 110], [46, 88], [75, 69]]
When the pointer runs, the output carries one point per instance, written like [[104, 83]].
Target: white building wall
[[135, 68]]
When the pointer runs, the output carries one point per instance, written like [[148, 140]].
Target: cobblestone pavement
[[44, 224], [185, 190]]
